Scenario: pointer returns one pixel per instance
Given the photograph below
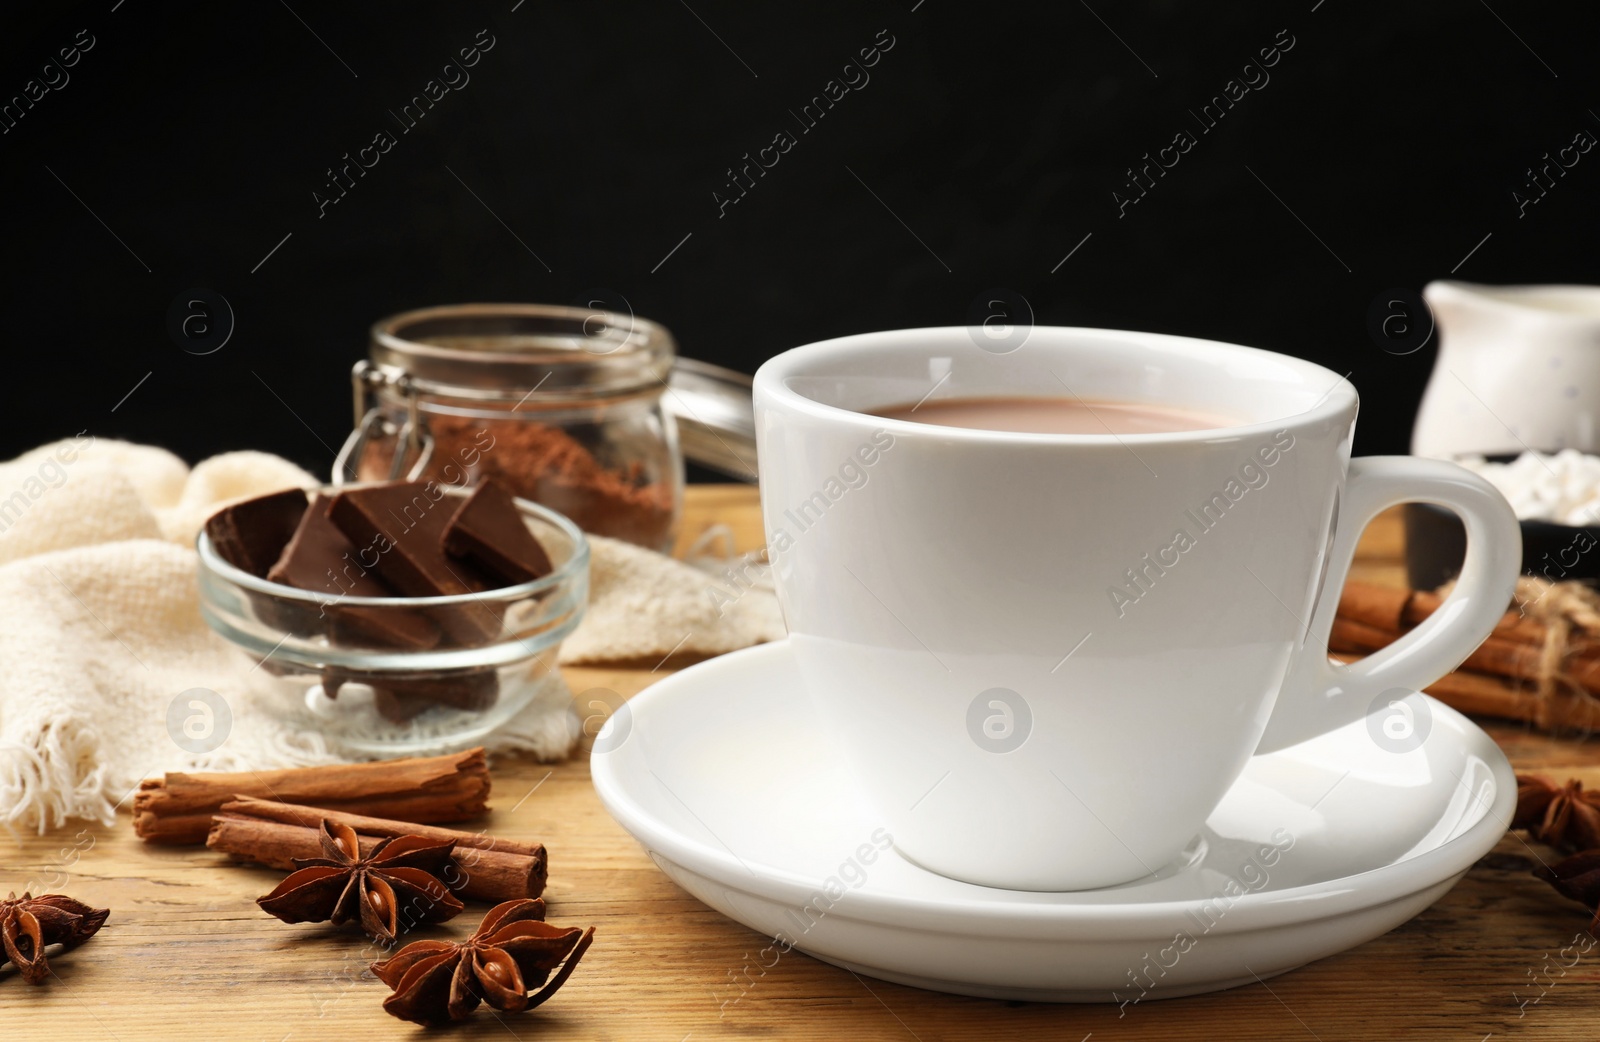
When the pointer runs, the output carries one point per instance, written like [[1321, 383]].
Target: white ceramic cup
[[1046, 657]]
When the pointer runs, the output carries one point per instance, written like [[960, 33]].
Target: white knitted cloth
[[100, 627]]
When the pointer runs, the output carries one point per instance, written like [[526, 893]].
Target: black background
[[598, 133]]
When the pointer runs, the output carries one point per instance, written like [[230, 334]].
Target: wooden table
[[187, 954]]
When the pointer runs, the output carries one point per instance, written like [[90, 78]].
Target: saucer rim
[[1250, 911]]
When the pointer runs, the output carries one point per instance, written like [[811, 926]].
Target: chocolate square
[[403, 525], [319, 558], [251, 535], [488, 531]]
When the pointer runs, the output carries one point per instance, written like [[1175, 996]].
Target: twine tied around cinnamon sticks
[[1537, 665], [1570, 615]]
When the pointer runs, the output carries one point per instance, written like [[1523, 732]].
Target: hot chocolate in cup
[[1046, 656]]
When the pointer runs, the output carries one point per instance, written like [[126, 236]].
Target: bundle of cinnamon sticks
[[274, 817], [1541, 664]]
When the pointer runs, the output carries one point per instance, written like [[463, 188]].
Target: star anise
[[28, 925], [1564, 816], [1577, 877], [512, 951], [401, 874]]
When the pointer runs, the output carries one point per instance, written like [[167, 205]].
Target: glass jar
[[562, 405]]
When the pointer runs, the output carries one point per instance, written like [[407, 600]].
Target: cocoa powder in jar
[[547, 465]]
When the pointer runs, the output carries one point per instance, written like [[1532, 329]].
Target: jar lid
[[715, 417], [523, 352]]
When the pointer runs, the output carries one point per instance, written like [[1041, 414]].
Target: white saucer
[[723, 774]]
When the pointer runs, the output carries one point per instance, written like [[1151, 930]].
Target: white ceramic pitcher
[[1518, 368]]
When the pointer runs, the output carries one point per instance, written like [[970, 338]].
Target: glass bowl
[[330, 664]]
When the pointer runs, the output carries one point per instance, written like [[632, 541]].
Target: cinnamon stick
[[274, 834], [178, 808], [1500, 655], [1392, 608], [1484, 695]]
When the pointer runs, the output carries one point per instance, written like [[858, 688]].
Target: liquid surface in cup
[[1030, 415]]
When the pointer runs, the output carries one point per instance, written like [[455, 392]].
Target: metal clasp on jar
[[412, 439]]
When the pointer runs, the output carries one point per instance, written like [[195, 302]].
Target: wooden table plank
[[186, 952]]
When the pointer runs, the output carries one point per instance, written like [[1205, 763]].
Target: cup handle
[[1319, 695]]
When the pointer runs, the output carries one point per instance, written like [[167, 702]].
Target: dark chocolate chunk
[[319, 558], [404, 525], [399, 707], [251, 535], [488, 531], [398, 699]]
